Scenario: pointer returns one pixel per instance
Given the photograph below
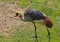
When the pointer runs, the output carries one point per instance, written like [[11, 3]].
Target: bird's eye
[[16, 14]]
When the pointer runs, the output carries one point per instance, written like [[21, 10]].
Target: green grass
[[27, 34]]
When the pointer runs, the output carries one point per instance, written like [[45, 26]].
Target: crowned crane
[[32, 15]]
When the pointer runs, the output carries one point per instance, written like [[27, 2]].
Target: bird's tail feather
[[48, 22]]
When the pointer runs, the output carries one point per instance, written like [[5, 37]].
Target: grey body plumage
[[34, 14]]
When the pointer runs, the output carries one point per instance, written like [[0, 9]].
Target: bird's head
[[20, 13], [48, 22]]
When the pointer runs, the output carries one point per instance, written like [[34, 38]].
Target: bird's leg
[[48, 34], [35, 32]]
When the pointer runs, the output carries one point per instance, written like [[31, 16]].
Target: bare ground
[[7, 20]]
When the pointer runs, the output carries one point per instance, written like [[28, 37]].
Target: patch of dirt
[[7, 19], [49, 2], [58, 15], [54, 8]]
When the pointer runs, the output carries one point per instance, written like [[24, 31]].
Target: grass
[[51, 9]]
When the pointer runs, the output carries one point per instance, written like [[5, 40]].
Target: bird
[[33, 15]]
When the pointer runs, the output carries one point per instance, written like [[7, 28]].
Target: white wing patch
[[44, 14]]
